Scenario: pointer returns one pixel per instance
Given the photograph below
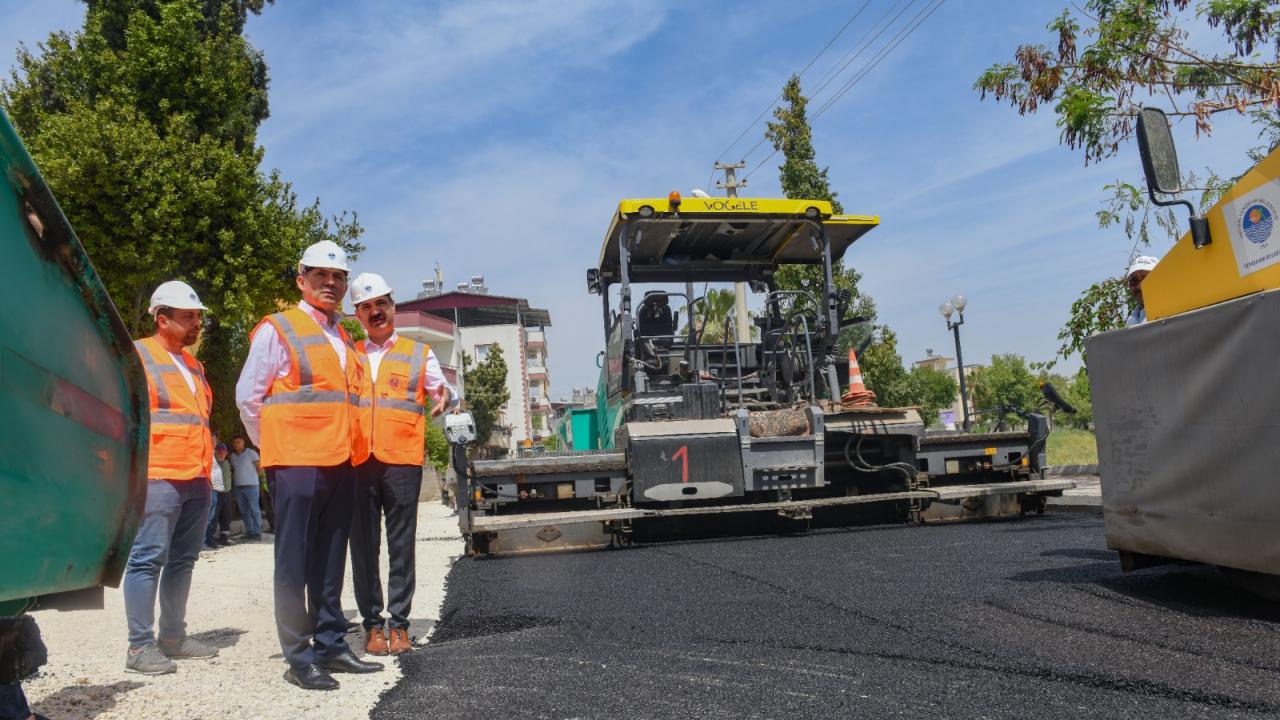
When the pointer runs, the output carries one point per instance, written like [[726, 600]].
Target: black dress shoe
[[311, 677], [348, 663]]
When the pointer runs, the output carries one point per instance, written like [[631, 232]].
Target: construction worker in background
[[1139, 269], [178, 467], [299, 397], [404, 374]]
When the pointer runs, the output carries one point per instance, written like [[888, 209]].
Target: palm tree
[[710, 315]]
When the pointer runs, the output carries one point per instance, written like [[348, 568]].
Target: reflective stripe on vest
[[162, 412], [309, 417], [396, 415], [180, 447]]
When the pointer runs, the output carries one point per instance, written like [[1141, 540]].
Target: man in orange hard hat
[[299, 397], [178, 490], [403, 375]]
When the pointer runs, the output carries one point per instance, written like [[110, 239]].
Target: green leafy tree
[[486, 389], [144, 123], [354, 329], [1112, 56], [1079, 394], [884, 373], [1103, 306], [1140, 50], [437, 446], [928, 389], [791, 135], [932, 391], [1007, 382], [551, 443]]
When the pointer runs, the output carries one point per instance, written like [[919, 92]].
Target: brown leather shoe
[[400, 641], [376, 642]]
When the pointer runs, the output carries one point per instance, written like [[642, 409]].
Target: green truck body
[[73, 403]]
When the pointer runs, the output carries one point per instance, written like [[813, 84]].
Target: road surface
[[1008, 619]]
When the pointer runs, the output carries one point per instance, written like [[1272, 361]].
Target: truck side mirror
[[1159, 156], [593, 281], [1160, 165]]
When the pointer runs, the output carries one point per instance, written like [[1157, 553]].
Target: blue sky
[[496, 139]]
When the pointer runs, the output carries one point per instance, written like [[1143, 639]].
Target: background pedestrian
[[245, 464]]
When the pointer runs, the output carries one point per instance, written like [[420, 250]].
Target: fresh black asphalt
[[1028, 618]]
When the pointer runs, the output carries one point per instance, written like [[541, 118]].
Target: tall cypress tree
[[801, 178]]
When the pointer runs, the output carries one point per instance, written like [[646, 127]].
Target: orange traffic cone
[[858, 394]]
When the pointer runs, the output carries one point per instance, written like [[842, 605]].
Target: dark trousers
[[313, 520], [13, 703], [267, 508], [389, 491]]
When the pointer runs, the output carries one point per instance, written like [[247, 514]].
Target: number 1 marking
[[683, 454]]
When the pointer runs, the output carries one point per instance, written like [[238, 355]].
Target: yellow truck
[[1185, 403]]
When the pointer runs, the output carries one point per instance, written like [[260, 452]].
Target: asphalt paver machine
[[695, 421]]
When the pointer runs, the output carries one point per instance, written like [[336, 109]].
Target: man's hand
[[439, 404]]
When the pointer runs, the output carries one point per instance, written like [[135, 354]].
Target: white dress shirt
[[269, 359], [434, 381], [186, 373]]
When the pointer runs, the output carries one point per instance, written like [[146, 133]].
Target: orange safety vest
[[396, 413], [310, 417], [181, 447]]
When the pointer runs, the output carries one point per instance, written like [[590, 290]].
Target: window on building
[[482, 353]]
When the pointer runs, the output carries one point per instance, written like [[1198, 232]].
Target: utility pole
[[730, 184]]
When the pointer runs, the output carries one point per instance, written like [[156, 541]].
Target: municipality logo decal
[[1257, 221]]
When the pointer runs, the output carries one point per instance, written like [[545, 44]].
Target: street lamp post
[[956, 305]]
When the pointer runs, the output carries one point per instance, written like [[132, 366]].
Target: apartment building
[[481, 322]]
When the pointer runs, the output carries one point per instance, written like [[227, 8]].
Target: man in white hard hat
[[1139, 269], [405, 378], [299, 397], [178, 490]]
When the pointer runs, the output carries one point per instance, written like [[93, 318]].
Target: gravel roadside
[[230, 607]]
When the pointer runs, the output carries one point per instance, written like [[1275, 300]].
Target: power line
[[834, 72], [841, 64], [898, 39], [813, 60], [893, 43]]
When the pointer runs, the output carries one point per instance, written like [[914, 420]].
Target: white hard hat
[[368, 286], [1142, 262], [177, 295], [324, 254]]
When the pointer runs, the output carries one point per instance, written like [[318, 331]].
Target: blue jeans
[[250, 513], [13, 703], [164, 551]]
